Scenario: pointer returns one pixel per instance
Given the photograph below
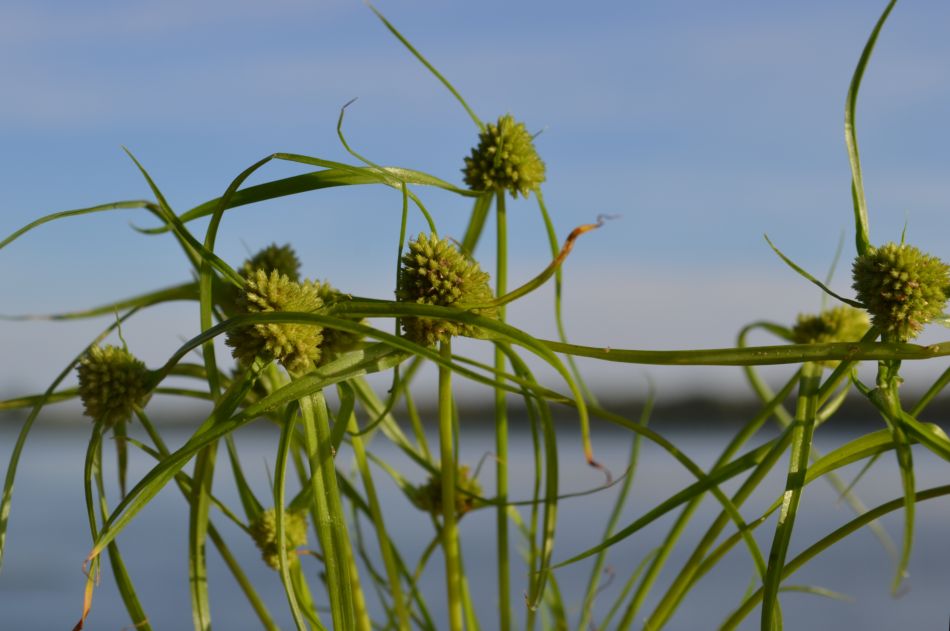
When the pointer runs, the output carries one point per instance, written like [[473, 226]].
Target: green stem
[[888, 402], [501, 431], [379, 525], [663, 552], [327, 518], [200, 501], [802, 433], [280, 485], [593, 583], [184, 485], [450, 542]]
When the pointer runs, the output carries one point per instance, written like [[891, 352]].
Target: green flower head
[[112, 383], [264, 532], [428, 497], [901, 287], [840, 324], [281, 258], [296, 346], [434, 272], [505, 158]]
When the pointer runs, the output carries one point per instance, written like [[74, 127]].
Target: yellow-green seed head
[[296, 346], [264, 532], [840, 324], [901, 287], [335, 342], [112, 383], [434, 272], [274, 257], [428, 497], [505, 159]]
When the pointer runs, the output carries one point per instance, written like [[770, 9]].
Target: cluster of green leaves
[[278, 325]]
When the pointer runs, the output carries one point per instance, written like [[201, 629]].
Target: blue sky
[[703, 124]]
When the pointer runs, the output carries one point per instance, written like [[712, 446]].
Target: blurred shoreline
[[677, 413]]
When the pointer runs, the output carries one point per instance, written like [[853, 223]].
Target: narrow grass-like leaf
[[811, 278], [664, 550], [73, 213], [280, 485], [379, 525], [185, 291], [826, 542], [184, 484], [476, 222], [862, 232], [425, 62], [593, 582], [705, 483], [195, 250], [802, 431], [758, 355]]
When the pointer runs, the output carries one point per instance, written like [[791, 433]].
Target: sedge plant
[[301, 351]]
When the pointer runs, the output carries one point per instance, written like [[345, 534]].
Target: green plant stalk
[[663, 552], [634, 577], [868, 446], [363, 622], [379, 525], [93, 472], [300, 590], [686, 577], [280, 485], [184, 484], [327, 452], [826, 542], [594, 581], [501, 428], [450, 537], [887, 399], [203, 475], [802, 432], [200, 502], [327, 520], [539, 556], [785, 419]]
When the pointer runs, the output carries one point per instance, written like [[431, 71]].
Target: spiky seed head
[[274, 257], [505, 159], [112, 383], [335, 341], [296, 346], [264, 532], [428, 497], [434, 272], [839, 324], [901, 287]]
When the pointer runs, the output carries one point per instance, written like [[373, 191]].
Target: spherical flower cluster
[[505, 158], [264, 532], [901, 287], [281, 258], [434, 272], [295, 345], [840, 324], [428, 497], [112, 383]]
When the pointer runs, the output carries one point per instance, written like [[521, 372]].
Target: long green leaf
[[862, 232]]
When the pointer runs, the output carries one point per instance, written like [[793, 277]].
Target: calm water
[[41, 582]]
